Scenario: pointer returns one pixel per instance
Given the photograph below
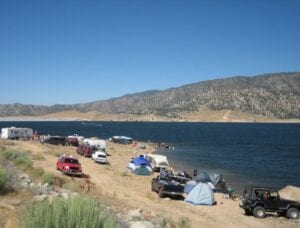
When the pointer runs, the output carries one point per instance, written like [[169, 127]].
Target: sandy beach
[[116, 186]]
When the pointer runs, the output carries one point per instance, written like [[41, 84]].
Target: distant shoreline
[[40, 119]]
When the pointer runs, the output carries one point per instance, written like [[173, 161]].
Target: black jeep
[[259, 200]]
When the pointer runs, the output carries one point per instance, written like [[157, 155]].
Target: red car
[[86, 150], [69, 165]]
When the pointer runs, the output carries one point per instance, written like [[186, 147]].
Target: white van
[[158, 161]]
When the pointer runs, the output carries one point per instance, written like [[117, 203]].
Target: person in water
[[195, 172]]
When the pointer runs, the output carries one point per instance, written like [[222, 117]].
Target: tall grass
[[78, 212]]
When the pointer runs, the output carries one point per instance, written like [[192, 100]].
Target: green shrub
[[3, 180], [23, 161], [74, 213], [48, 178], [20, 158], [11, 154]]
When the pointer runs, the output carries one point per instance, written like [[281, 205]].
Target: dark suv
[[55, 140], [259, 200]]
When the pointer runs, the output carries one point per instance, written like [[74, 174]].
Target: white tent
[[202, 194]]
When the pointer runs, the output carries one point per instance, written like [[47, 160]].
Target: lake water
[[245, 153]]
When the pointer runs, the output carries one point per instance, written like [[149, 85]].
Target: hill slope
[[271, 95]]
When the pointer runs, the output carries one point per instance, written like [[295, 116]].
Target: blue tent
[[141, 160], [201, 195]]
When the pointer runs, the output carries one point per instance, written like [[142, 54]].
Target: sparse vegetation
[[38, 171], [124, 174], [23, 161], [75, 212], [273, 95], [55, 153], [18, 157], [38, 157], [3, 180], [48, 178], [184, 223], [72, 186]]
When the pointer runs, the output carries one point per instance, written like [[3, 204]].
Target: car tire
[[259, 212], [292, 213]]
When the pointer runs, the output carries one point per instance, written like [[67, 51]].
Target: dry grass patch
[[38, 157]]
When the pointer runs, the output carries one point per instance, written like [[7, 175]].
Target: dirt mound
[[290, 193]]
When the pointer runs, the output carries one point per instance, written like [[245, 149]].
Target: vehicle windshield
[[71, 160]]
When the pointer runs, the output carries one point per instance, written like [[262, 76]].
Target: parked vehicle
[[16, 133], [100, 157], [182, 177], [86, 150], [259, 200], [72, 141], [55, 140], [122, 140], [164, 186], [99, 143], [158, 162], [78, 137], [69, 165]]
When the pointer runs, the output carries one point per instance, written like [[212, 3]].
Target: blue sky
[[64, 52]]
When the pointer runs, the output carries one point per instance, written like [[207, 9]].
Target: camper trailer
[[16, 133], [158, 161]]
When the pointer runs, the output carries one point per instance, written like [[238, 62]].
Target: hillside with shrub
[[274, 95]]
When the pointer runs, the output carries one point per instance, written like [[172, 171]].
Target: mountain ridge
[[271, 95]]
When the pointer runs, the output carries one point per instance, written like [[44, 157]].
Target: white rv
[[16, 133]]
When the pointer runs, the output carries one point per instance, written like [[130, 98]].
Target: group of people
[[263, 195]]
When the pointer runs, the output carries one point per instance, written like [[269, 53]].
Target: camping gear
[[131, 166], [201, 194], [143, 170], [141, 160], [189, 186], [219, 183]]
